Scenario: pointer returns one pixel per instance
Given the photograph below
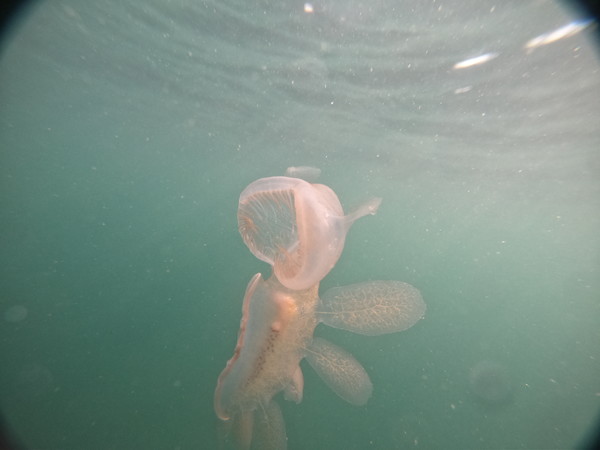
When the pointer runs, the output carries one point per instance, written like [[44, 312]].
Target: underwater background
[[129, 129]]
